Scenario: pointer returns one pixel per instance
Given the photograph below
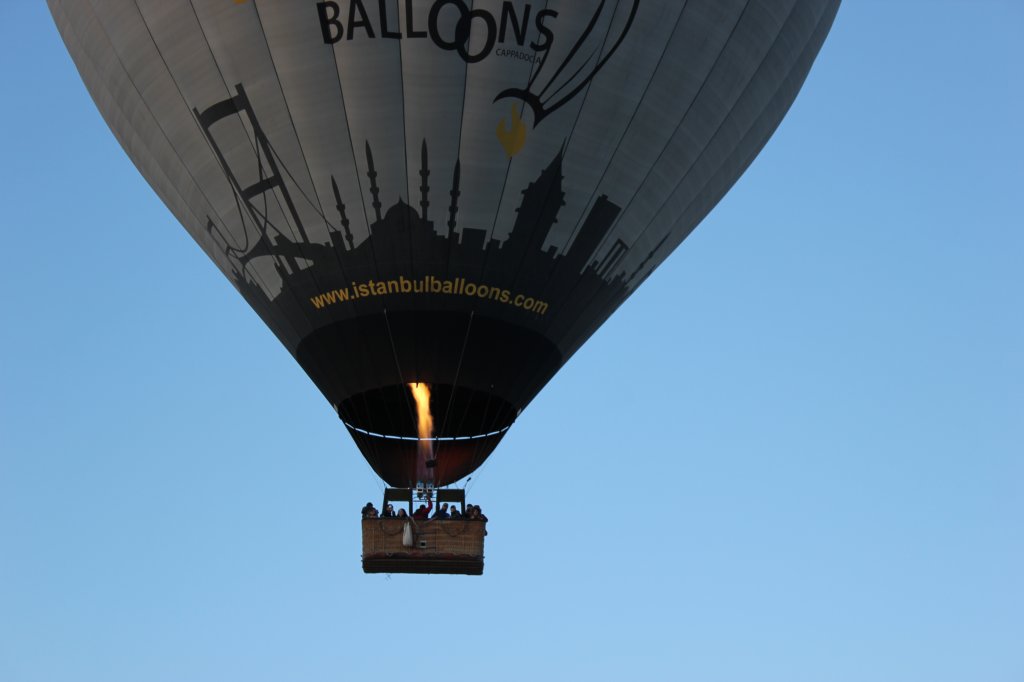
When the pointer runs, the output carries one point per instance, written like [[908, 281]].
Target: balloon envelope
[[440, 191]]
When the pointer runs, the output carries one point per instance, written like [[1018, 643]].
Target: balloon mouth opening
[[400, 461], [385, 425], [458, 413], [432, 439]]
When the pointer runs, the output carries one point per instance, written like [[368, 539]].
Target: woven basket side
[[441, 536]]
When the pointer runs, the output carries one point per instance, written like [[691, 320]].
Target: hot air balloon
[[434, 203]]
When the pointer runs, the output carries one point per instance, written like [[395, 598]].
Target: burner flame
[[424, 420]]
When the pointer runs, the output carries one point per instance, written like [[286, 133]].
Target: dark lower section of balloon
[[481, 372]]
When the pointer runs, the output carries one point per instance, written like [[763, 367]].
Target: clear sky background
[[795, 454]]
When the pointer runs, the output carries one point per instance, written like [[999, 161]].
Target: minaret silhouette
[[374, 189], [537, 214], [454, 208], [424, 187], [340, 205]]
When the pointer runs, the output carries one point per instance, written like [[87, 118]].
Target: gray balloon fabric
[[442, 191]]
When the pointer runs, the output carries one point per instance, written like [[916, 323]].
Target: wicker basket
[[439, 546]]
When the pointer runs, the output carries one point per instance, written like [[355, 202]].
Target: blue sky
[[795, 454]]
